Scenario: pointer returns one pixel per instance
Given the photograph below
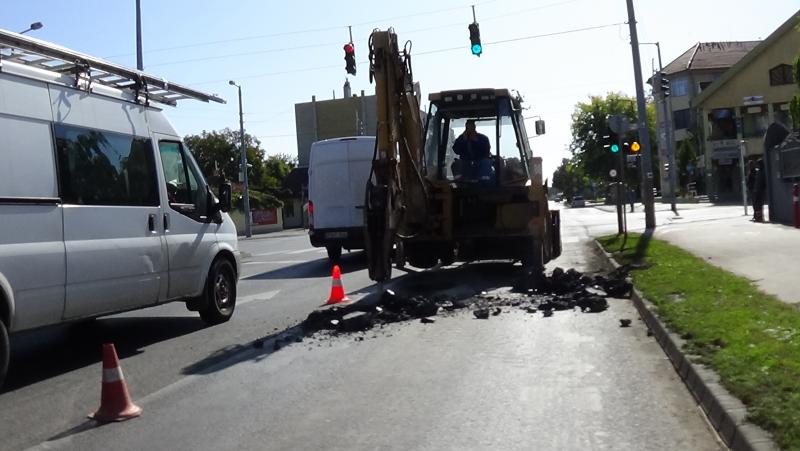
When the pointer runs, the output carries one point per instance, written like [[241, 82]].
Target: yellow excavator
[[460, 184]]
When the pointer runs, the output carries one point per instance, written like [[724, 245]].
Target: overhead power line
[[331, 44], [429, 52], [294, 32]]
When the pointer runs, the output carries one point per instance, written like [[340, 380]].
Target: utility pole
[[139, 63], [743, 175], [248, 220], [644, 135]]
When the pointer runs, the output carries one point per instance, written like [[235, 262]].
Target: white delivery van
[[102, 207], [337, 181]]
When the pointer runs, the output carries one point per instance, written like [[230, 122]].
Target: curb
[[726, 413]]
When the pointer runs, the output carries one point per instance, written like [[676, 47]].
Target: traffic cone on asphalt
[[115, 402], [337, 289]]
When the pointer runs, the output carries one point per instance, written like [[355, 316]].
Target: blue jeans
[[481, 170]]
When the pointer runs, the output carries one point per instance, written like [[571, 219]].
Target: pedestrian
[[751, 183], [631, 198], [474, 150], [759, 191]]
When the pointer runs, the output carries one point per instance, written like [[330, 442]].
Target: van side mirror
[[539, 125], [225, 197]]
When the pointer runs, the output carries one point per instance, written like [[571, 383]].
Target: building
[[335, 118], [689, 75], [735, 111], [324, 119]]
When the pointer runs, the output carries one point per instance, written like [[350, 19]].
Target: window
[[28, 168], [703, 85], [680, 87], [513, 167], [681, 119], [186, 188], [723, 124], [754, 121], [781, 75], [105, 168]]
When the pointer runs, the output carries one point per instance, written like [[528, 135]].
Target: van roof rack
[[88, 69]]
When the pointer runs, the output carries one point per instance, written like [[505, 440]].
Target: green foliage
[[217, 154], [749, 338], [569, 179], [589, 124]]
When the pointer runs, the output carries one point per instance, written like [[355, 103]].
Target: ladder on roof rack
[[88, 69]]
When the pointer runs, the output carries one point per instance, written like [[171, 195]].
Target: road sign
[[618, 123], [612, 173]]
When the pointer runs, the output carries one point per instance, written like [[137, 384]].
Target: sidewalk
[[768, 254], [276, 234]]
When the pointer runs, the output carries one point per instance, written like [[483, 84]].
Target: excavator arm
[[396, 203]]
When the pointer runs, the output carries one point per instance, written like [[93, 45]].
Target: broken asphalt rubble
[[562, 290]]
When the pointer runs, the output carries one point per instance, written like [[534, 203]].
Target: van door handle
[[151, 222], [166, 221]]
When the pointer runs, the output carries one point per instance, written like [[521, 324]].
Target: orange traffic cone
[[115, 402], [337, 290]]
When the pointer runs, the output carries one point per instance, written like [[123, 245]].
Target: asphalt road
[[516, 381]]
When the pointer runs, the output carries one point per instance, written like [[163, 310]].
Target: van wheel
[[220, 293], [5, 350], [334, 253]]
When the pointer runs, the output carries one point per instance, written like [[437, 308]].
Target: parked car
[[103, 209], [337, 179], [578, 201]]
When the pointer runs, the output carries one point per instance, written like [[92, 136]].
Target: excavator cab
[[495, 119]]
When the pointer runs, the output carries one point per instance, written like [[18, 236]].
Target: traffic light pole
[[673, 168], [644, 134], [621, 219]]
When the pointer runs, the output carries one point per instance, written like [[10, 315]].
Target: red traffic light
[[348, 48]]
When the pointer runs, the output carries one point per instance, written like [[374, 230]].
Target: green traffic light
[[615, 148], [477, 49]]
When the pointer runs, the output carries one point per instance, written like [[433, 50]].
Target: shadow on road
[[44, 353], [457, 282], [349, 262]]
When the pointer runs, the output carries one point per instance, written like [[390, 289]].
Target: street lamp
[[243, 162], [668, 130], [34, 26]]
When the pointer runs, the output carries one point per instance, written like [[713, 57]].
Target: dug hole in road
[[519, 379]]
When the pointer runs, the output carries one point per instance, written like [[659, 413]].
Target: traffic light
[[350, 58], [475, 39], [635, 147], [664, 84], [610, 142]]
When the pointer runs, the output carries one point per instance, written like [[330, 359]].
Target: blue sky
[[285, 52]]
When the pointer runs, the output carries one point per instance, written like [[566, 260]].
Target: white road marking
[[303, 251], [278, 262], [265, 296]]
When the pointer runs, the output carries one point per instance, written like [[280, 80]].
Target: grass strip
[[751, 339]]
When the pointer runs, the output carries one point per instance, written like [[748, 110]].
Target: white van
[[102, 207], [337, 181]]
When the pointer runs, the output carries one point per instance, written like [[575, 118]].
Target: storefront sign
[[753, 100]]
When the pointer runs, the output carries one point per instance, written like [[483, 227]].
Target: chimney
[[347, 91]]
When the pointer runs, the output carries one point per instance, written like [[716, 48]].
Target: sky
[[283, 52]]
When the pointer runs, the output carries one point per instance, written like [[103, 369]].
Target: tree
[[569, 179], [217, 153], [589, 125], [794, 106]]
